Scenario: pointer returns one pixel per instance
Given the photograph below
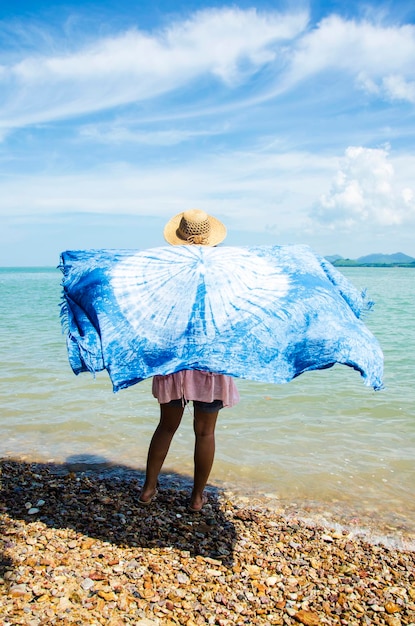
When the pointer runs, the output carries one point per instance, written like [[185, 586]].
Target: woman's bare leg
[[204, 427], [170, 418]]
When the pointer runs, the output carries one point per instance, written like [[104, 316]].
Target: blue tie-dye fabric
[[266, 313]]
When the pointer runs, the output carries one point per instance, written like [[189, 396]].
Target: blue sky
[[291, 122]]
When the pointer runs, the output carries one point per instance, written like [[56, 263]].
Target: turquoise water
[[324, 444]]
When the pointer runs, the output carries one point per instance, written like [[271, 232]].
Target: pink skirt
[[195, 385]]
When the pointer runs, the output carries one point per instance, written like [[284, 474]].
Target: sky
[[292, 122]]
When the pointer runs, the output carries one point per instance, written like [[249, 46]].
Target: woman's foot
[[197, 503], [147, 496]]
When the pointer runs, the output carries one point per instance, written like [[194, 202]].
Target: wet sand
[[77, 548]]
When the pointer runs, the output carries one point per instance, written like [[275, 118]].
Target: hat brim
[[216, 235]]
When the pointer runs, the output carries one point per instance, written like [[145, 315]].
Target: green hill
[[399, 259]]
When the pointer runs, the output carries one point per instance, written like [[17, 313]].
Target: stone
[[238, 562], [308, 618]]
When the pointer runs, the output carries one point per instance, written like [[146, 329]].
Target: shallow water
[[324, 443]]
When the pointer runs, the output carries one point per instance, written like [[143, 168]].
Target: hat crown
[[194, 223], [196, 227]]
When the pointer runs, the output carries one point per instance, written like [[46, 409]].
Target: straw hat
[[194, 227]]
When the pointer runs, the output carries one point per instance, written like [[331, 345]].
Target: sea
[[323, 447]]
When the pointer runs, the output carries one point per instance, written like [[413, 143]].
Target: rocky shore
[[77, 548]]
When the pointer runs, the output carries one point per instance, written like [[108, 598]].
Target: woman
[[209, 392]]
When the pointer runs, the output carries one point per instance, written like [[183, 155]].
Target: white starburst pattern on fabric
[[202, 291]]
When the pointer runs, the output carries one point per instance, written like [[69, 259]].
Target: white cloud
[[263, 193], [365, 191], [240, 184], [231, 41], [380, 58], [398, 88], [128, 133], [228, 44]]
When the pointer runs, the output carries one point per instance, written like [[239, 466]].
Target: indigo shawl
[[264, 313]]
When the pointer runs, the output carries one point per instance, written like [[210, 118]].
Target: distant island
[[374, 260]]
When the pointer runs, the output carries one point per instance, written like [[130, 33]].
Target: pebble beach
[[77, 548]]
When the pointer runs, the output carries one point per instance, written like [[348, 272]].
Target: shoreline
[[393, 532], [77, 548]]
